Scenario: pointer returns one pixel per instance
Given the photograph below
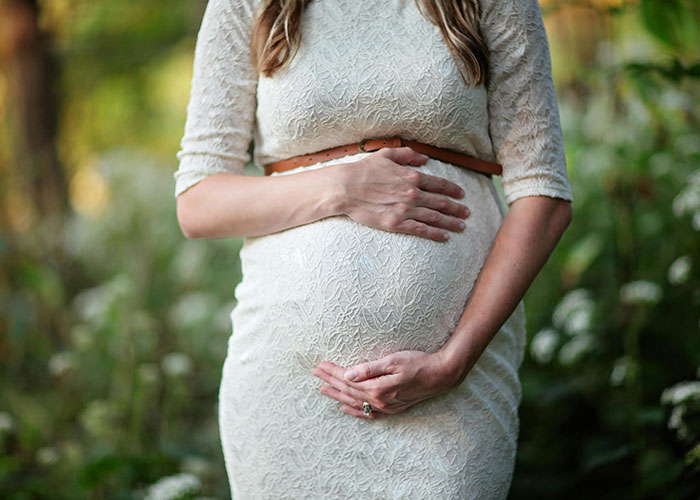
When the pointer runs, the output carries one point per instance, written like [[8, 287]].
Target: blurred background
[[113, 326]]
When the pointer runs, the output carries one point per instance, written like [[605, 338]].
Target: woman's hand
[[379, 191], [390, 384]]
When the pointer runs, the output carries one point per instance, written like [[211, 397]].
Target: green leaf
[[673, 22]]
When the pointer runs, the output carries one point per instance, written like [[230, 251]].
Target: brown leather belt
[[366, 145]]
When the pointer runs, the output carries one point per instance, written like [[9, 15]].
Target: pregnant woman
[[379, 324]]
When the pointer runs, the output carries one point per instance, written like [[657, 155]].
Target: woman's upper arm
[[524, 122], [221, 109]]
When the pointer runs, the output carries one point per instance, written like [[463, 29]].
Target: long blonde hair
[[276, 34]]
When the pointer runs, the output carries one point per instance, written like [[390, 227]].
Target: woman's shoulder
[[495, 10], [511, 21], [240, 9]]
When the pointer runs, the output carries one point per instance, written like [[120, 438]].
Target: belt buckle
[[361, 145]]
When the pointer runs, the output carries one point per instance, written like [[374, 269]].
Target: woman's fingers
[[361, 414], [407, 156], [353, 394], [417, 228], [404, 155], [340, 396], [428, 214], [444, 204], [340, 385], [351, 405], [435, 184], [381, 191], [436, 219]]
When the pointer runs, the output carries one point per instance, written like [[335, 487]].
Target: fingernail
[[425, 157], [462, 225], [445, 236], [351, 375]]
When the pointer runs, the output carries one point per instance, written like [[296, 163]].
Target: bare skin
[[379, 191], [527, 236]]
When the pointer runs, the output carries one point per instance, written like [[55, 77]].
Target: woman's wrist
[[456, 362], [332, 192]]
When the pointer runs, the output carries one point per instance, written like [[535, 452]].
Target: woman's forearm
[[379, 191], [230, 205], [528, 234]]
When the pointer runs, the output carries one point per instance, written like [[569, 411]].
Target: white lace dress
[[340, 291]]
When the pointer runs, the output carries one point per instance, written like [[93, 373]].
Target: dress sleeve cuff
[[195, 167], [536, 187]]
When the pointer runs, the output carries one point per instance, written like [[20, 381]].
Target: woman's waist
[[433, 166], [341, 238]]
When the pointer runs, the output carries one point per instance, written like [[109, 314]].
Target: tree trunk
[[31, 103]]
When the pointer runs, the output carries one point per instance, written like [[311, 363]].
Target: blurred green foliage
[[114, 328]]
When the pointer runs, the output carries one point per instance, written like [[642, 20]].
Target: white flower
[[696, 220], [574, 312], [176, 364], [62, 363], [7, 423], [543, 345], [47, 455], [681, 392], [680, 269], [575, 348], [676, 418], [640, 292], [579, 321], [619, 371], [675, 422], [173, 487], [688, 200]]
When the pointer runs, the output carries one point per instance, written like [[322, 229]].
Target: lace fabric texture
[[373, 68], [339, 291]]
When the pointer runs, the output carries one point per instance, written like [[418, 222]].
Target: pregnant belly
[[344, 292]]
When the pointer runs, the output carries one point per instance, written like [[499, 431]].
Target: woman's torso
[[337, 290], [368, 68]]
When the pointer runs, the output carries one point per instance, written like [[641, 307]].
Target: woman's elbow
[[186, 217], [565, 214]]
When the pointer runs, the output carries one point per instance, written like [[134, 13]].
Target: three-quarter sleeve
[[221, 109], [524, 122]]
